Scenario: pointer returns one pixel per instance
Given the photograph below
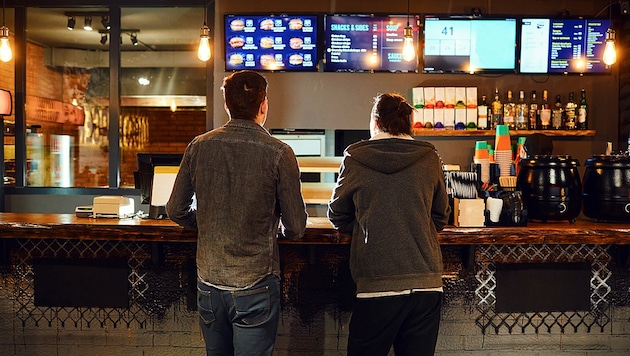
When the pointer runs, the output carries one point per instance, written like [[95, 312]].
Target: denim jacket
[[245, 181]]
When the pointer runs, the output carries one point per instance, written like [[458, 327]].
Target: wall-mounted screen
[[271, 42], [563, 45], [366, 43], [469, 45]]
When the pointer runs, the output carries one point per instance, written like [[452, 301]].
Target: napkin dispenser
[[109, 206]]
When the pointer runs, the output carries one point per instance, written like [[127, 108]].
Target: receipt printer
[[109, 206]]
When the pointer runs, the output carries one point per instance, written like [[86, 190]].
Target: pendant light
[[409, 50], [204, 42], [5, 48], [610, 52]]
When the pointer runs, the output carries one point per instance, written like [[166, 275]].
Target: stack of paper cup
[[483, 159], [503, 150]]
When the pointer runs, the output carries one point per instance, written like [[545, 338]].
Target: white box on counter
[[110, 206]]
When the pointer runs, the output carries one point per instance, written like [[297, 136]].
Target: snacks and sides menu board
[[469, 45], [563, 45], [358, 43], [282, 43]]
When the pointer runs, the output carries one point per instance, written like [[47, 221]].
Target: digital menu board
[[469, 45], [365, 43], [274, 43], [563, 45]]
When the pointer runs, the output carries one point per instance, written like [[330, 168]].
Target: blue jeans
[[240, 322]]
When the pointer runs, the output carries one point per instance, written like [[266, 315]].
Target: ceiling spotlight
[[105, 22], [71, 22], [103, 38], [134, 39], [88, 23]]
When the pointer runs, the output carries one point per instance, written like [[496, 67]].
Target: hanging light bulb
[[203, 53], [5, 48], [409, 50], [6, 54], [610, 52]]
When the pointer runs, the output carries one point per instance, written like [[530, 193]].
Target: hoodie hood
[[389, 155]]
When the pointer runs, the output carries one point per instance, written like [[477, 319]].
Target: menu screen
[[274, 43], [362, 43], [563, 45], [469, 45]]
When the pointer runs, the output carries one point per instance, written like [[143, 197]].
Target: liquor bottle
[[497, 110], [521, 112], [533, 112], [509, 112], [570, 113], [482, 114], [557, 114], [545, 112], [582, 121]]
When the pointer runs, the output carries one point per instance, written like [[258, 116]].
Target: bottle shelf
[[492, 133]]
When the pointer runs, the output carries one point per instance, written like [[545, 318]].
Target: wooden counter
[[319, 231]]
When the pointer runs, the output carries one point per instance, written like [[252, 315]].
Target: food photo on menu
[[283, 43]]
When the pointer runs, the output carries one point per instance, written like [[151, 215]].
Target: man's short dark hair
[[244, 91]]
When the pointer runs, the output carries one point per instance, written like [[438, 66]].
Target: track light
[[105, 22], [71, 22], [103, 38], [87, 25], [203, 53], [134, 39]]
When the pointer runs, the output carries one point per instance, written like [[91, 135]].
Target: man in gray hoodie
[[391, 194]]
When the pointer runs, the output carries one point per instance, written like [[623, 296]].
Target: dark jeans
[[242, 322], [408, 322]]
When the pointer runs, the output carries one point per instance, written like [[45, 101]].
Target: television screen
[[365, 43], [469, 45], [271, 42], [563, 45]]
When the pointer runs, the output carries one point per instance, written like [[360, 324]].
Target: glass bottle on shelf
[[497, 110], [509, 112], [533, 113], [557, 114], [582, 120], [521, 112], [482, 114], [570, 113], [545, 112]]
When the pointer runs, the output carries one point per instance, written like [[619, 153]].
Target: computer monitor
[[143, 177]]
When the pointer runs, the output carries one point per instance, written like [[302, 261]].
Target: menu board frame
[[460, 61], [272, 42], [598, 66], [360, 60]]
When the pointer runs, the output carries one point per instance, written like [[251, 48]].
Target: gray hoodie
[[391, 195]]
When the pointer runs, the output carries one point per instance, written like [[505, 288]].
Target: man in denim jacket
[[244, 182]]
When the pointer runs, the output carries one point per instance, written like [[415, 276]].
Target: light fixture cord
[[408, 13], [205, 13], [4, 3]]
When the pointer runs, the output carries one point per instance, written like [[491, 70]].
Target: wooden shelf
[[319, 164], [317, 193], [492, 133]]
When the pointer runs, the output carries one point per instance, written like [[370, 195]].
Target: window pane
[[162, 83], [67, 127]]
